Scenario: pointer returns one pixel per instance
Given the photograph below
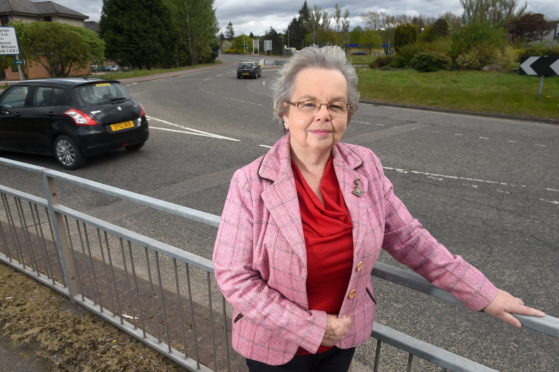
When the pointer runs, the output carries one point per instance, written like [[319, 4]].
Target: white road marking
[[264, 82], [555, 202], [186, 130], [361, 122], [266, 146], [208, 78], [512, 141], [475, 180], [220, 75], [458, 134], [241, 101], [483, 138], [538, 144]]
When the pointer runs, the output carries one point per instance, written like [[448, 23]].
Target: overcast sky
[[257, 16]]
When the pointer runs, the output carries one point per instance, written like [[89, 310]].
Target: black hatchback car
[[249, 69], [72, 119]]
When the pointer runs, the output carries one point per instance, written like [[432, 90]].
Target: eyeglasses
[[312, 107]]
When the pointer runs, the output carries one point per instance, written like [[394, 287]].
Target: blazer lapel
[[354, 189], [280, 198]]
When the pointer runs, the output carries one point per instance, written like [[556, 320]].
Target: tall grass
[[498, 93]]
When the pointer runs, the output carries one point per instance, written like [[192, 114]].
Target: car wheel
[[67, 153], [135, 147], [238, 76]]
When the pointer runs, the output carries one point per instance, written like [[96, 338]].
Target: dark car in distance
[[71, 119], [249, 69]]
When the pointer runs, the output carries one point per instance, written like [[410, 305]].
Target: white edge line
[[202, 133], [195, 134], [266, 146]]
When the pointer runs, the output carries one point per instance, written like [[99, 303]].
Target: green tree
[[404, 34], [242, 42], [58, 47], [370, 39], [355, 35], [318, 27], [229, 32], [497, 12], [139, 33], [436, 30], [196, 26], [277, 42]]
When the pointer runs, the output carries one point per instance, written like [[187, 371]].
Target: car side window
[[47, 96], [15, 97]]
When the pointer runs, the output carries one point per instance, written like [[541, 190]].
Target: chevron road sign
[[540, 66]]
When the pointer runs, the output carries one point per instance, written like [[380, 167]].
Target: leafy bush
[[480, 44], [541, 49], [483, 55], [405, 55], [430, 61], [381, 61], [441, 45]]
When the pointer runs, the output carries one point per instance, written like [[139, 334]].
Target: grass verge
[[66, 334], [496, 93], [140, 72]]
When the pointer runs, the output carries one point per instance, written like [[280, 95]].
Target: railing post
[[60, 236]]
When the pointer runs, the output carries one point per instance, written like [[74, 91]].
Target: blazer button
[[352, 294], [360, 266]]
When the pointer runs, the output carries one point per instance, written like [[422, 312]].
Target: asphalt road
[[486, 188]]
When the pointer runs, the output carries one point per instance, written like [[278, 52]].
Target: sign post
[[9, 46], [540, 66]]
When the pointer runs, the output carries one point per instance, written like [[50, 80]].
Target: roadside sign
[[8, 41], [18, 62], [540, 66], [267, 46]]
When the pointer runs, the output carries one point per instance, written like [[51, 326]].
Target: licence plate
[[123, 125], [246, 73]]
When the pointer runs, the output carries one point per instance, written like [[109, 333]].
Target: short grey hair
[[328, 57]]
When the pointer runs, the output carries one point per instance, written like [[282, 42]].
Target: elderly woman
[[303, 226]]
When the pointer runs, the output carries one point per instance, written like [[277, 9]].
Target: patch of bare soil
[[67, 335]]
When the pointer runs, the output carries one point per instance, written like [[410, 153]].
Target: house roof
[[42, 8]]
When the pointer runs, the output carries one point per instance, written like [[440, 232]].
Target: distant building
[[92, 25], [41, 11], [47, 11], [553, 34]]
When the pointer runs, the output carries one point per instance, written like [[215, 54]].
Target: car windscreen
[[246, 65], [101, 93]]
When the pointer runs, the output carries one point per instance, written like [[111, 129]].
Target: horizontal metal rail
[[426, 351], [548, 324]]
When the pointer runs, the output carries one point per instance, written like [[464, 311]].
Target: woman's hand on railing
[[336, 329], [505, 304]]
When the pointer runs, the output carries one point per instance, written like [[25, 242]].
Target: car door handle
[[5, 112]]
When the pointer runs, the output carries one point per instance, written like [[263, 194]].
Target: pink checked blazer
[[260, 258]]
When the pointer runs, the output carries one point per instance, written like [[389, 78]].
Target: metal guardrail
[[134, 282]]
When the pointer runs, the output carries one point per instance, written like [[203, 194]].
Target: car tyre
[[67, 153], [238, 76], [135, 147]]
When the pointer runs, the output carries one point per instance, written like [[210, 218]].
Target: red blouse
[[328, 236]]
